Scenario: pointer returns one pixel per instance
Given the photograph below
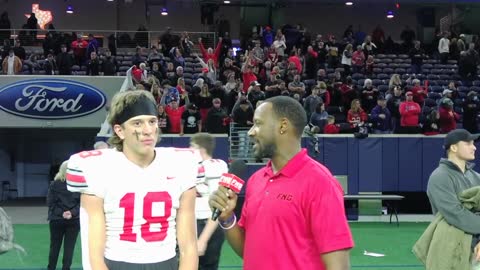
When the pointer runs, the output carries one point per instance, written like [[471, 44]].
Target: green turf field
[[395, 242]]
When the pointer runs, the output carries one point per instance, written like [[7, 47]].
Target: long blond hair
[[62, 171]]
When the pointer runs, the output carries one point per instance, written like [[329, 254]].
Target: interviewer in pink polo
[[293, 216]]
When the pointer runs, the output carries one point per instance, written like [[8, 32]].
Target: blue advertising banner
[[55, 101], [51, 99]]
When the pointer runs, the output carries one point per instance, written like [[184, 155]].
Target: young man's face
[[139, 134], [464, 150]]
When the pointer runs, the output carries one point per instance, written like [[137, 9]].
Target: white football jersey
[[140, 204], [210, 172]]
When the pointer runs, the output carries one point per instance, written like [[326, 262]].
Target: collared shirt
[[292, 217]]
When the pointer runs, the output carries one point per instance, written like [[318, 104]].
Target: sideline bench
[[390, 201]]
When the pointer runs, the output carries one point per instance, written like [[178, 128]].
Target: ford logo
[[51, 99]]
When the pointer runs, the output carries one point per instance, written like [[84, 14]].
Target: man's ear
[[284, 125], [118, 129], [453, 148]]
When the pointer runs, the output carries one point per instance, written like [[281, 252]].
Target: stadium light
[[349, 3], [164, 12], [69, 9]]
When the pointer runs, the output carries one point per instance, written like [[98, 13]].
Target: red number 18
[[128, 203]]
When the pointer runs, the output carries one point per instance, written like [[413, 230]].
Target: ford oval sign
[[51, 99]]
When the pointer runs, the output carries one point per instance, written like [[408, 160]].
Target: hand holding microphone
[[224, 200]]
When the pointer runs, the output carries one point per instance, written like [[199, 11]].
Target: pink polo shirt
[[293, 217]]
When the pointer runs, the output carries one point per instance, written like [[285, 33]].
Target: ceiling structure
[[337, 1]]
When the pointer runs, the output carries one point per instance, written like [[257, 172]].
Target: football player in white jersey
[[84, 221], [210, 236], [140, 200]]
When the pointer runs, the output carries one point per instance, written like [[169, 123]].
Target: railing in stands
[[120, 38], [240, 144]]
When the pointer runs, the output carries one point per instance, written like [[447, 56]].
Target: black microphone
[[232, 181]]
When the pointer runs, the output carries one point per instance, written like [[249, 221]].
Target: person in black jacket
[[65, 61], [217, 118], [471, 108], [63, 216]]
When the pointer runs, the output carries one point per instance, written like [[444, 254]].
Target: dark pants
[[210, 260], [444, 58], [416, 68], [171, 264], [65, 231]]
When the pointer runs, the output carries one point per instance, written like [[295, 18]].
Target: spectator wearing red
[[248, 76], [419, 92], [358, 60], [79, 48], [296, 60], [448, 118], [182, 89], [311, 63], [209, 53], [330, 127], [409, 113], [356, 115], [174, 112]]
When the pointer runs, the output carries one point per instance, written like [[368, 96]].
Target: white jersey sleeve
[[83, 172], [207, 183]]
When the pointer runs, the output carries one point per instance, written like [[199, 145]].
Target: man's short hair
[[205, 141], [287, 107]]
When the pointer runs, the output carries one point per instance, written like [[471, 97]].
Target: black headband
[[142, 106]]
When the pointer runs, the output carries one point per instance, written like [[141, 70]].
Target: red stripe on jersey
[[76, 178], [201, 169]]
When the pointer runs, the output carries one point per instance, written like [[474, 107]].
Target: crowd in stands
[[358, 82]]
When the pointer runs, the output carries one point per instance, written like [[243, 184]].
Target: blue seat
[[388, 70], [377, 82], [357, 76], [400, 71], [463, 89], [434, 95], [475, 88], [383, 76], [383, 88], [437, 89]]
